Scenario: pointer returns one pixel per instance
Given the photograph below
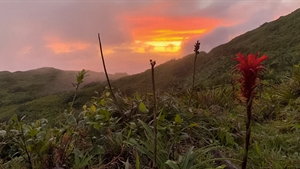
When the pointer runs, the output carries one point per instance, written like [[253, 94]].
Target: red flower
[[250, 66]]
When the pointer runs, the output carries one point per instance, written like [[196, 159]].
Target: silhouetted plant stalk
[[196, 50], [152, 63], [251, 68], [105, 71]]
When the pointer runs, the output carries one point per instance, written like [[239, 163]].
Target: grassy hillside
[[43, 88], [279, 39]]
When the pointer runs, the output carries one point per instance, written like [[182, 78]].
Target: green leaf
[[188, 158], [106, 114], [137, 161], [129, 133], [257, 149], [26, 129], [143, 108], [132, 125], [41, 135], [84, 107], [28, 147], [97, 126], [119, 137], [172, 164], [102, 102], [85, 161], [229, 139], [77, 160], [147, 129], [45, 148], [178, 119], [161, 115], [137, 96], [93, 108], [139, 147], [33, 132], [194, 125], [268, 96]]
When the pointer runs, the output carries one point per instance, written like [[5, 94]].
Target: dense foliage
[[208, 133]]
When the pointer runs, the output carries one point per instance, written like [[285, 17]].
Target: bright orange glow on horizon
[[168, 41], [165, 35]]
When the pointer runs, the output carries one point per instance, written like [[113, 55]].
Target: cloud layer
[[63, 34]]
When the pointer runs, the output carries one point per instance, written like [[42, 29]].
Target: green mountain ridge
[[22, 88], [53, 80]]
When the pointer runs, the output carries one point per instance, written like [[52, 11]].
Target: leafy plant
[[146, 146], [194, 159]]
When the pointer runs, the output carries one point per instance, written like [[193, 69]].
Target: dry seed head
[[197, 47]]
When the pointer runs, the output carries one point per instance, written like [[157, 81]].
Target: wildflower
[[250, 66]]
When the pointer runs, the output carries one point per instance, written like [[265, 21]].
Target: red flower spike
[[250, 67]]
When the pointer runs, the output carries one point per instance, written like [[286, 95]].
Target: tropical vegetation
[[177, 118]]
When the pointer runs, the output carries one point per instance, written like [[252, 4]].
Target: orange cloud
[[58, 45], [163, 34]]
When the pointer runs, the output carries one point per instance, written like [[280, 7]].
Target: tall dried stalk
[[152, 63], [105, 71], [196, 50]]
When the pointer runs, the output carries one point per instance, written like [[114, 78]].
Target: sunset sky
[[63, 33]]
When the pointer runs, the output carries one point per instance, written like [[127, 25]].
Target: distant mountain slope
[[23, 87], [47, 80], [279, 39]]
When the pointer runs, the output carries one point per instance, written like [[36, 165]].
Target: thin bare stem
[[26, 150], [103, 62], [152, 63], [74, 97]]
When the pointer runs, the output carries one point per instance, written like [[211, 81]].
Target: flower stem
[[248, 132]]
